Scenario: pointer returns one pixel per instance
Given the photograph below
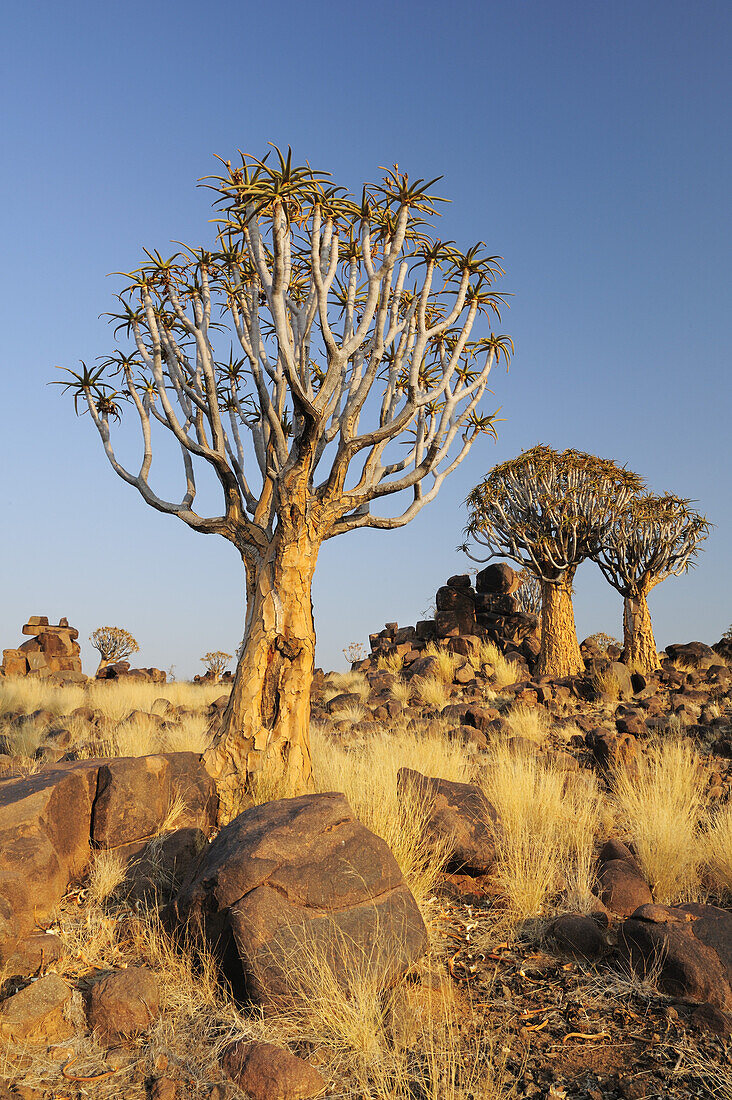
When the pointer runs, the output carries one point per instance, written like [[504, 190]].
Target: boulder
[[295, 877], [38, 1012], [690, 946], [578, 935], [454, 599], [498, 578], [459, 815], [265, 1071], [622, 887], [696, 654], [123, 1004]]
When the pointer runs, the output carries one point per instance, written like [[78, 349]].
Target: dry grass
[[487, 653], [546, 839], [431, 690], [353, 713], [114, 698], [380, 1042], [531, 723], [368, 778], [659, 801], [351, 683], [391, 662], [444, 662], [106, 874], [717, 852], [606, 683], [401, 690]]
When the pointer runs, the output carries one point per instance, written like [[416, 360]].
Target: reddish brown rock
[[301, 871], [622, 889], [123, 1004], [268, 1072], [38, 1012], [459, 815], [690, 946]]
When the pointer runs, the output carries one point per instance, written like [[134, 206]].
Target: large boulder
[[690, 946], [695, 654], [458, 815], [296, 880]]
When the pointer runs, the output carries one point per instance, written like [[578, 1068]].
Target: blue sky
[[587, 143]]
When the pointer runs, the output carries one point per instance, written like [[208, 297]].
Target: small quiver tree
[[653, 538], [357, 376], [216, 663], [548, 511], [113, 644]]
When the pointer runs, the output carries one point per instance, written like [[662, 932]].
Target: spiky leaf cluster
[[548, 510], [654, 537], [327, 307]]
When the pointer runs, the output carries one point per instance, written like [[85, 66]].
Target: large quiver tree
[[655, 537], [341, 311], [549, 511]]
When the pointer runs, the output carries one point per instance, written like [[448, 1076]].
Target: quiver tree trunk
[[265, 730], [560, 653], [640, 645]]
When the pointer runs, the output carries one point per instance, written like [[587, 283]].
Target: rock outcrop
[[51, 651]]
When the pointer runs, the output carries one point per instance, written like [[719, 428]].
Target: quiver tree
[[653, 538], [216, 663], [357, 376], [113, 644], [549, 511]]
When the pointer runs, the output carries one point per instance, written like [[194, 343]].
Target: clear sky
[[587, 143]]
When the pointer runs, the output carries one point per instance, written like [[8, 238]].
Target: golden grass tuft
[[547, 833], [444, 662], [368, 778], [487, 653], [717, 852], [106, 874], [531, 723], [659, 801], [390, 662], [432, 691], [402, 691], [605, 682]]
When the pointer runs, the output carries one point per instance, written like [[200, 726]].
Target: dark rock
[[300, 871], [578, 935], [690, 945], [459, 814], [497, 578], [622, 889]]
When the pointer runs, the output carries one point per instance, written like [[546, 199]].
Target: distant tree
[[353, 652], [528, 595], [603, 640], [549, 511], [342, 310], [216, 663], [113, 644], [653, 538]]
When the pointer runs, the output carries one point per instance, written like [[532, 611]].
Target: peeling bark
[[640, 644], [265, 729], [560, 653]]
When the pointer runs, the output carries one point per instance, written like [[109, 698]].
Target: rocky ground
[[103, 862]]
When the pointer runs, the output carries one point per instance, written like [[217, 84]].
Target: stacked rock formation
[[465, 616], [51, 651]]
